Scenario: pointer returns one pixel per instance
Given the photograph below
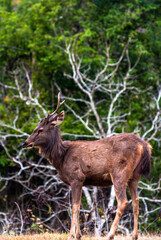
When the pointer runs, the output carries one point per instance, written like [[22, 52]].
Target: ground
[[56, 236]]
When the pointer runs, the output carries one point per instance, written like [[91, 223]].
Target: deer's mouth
[[28, 146]]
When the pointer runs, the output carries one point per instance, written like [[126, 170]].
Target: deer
[[118, 160]]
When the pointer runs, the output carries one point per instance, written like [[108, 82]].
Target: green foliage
[[4, 161]]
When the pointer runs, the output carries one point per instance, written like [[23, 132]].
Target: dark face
[[42, 132]]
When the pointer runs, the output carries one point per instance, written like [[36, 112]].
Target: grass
[[56, 236]]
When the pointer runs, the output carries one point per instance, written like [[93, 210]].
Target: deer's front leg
[[76, 200]]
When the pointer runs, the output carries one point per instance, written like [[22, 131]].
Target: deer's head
[[45, 128]]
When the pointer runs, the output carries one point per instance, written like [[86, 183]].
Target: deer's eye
[[40, 130]]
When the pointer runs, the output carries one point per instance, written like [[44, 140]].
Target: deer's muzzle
[[27, 145]]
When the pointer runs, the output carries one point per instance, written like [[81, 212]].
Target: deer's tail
[[144, 167]]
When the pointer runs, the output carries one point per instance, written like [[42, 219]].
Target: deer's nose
[[24, 144]]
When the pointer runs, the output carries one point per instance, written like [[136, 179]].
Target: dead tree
[[118, 160]]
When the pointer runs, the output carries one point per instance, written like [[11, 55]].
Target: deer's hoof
[[135, 237], [79, 237], [72, 237], [110, 237]]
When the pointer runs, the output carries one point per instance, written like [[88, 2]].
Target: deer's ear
[[58, 119]]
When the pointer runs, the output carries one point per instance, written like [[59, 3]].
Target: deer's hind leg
[[133, 184], [122, 202]]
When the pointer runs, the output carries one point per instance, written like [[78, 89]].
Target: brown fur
[[119, 160]]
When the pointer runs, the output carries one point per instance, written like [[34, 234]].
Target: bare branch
[[156, 123]]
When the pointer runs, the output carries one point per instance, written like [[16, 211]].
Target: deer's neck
[[55, 149]]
